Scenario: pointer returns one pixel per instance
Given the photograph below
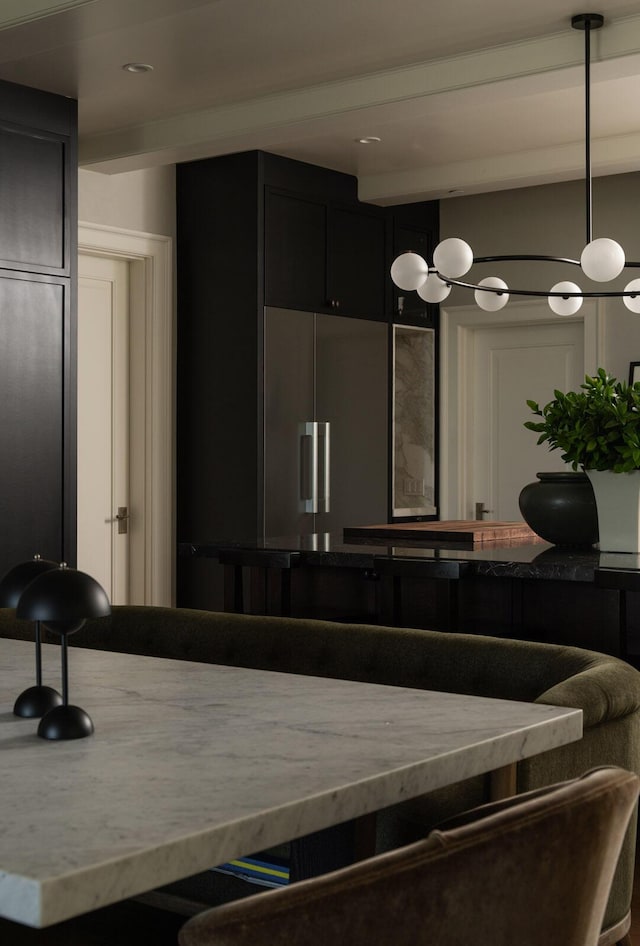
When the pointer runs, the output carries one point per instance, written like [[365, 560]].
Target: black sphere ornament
[[65, 722], [36, 700], [63, 599]]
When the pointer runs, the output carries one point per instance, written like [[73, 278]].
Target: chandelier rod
[[542, 293], [587, 132], [586, 22], [529, 257]]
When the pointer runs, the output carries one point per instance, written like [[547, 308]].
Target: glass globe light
[[565, 306], [602, 259], [492, 301], [409, 271], [433, 289], [633, 305], [453, 257]]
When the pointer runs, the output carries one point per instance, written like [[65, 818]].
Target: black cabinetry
[[256, 231], [414, 227], [38, 223], [324, 257]]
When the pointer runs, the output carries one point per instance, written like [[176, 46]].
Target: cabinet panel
[[356, 262], [295, 252], [324, 257], [33, 235], [408, 307], [33, 391]]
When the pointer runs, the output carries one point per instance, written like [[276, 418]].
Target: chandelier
[[601, 260]]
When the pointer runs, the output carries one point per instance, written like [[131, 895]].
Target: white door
[[103, 423], [509, 365]]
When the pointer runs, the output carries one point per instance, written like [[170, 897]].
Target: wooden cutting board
[[471, 533]]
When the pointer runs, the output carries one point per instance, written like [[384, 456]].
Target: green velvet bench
[[605, 688]]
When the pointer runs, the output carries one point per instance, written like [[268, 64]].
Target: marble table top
[[193, 764]]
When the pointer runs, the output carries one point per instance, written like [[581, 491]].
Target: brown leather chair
[[534, 871]]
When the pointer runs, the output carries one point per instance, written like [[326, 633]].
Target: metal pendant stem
[[587, 22], [587, 132]]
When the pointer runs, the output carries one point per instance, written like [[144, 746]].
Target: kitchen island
[[529, 591]]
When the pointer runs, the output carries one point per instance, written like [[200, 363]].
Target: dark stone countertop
[[539, 561]]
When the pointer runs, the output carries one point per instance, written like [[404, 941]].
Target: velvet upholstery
[[535, 873], [605, 688]]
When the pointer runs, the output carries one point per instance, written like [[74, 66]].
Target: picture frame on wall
[[634, 372]]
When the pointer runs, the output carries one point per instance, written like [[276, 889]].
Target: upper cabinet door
[[324, 257], [34, 392], [34, 169], [295, 252], [356, 262]]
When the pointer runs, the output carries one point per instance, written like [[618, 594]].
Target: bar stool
[[270, 581], [392, 571]]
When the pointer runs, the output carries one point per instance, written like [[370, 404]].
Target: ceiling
[[465, 97]]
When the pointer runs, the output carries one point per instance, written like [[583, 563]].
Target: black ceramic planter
[[561, 509]]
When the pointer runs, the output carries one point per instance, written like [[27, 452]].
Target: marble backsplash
[[414, 422]]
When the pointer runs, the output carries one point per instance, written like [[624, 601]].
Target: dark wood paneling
[[33, 235], [316, 182], [295, 252], [33, 108], [356, 270], [413, 227], [38, 301], [220, 306], [33, 329], [324, 257]]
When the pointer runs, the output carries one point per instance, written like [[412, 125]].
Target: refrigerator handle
[[324, 439], [309, 466]]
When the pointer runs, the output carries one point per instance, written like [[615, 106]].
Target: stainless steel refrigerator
[[326, 422]]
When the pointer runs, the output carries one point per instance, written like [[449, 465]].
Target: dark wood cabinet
[[253, 230], [295, 252], [356, 270], [414, 227], [38, 245], [256, 230], [324, 257], [34, 233]]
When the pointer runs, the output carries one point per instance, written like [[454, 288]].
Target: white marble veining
[[413, 421], [192, 764]]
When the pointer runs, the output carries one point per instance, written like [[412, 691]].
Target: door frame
[[152, 414], [457, 329]]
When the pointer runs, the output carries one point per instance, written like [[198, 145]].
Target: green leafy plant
[[596, 428]]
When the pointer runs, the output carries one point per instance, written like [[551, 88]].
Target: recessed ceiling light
[[369, 140], [137, 67]]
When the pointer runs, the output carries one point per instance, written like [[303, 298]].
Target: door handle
[[324, 439], [122, 518], [481, 512], [309, 466]]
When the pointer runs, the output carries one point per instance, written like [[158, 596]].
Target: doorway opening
[[491, 363], [149, 439]]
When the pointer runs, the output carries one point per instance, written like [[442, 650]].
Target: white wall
[[136, 200], [550, 220]]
